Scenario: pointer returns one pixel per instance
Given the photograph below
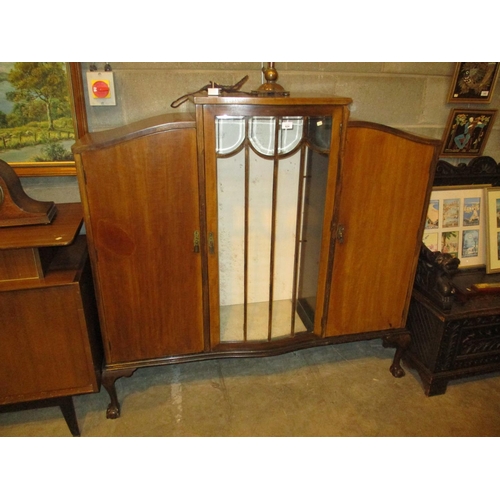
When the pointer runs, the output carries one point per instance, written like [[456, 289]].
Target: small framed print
[[467, 131], [455, 223], [473, 82], [493, 230]]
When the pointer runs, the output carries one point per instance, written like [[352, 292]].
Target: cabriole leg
[[401, 342], [108, 381]]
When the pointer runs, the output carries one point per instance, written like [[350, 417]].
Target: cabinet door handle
[[211, 243], [196, 242], [340, 233]]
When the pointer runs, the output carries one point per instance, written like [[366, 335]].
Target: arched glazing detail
[[262, 134]]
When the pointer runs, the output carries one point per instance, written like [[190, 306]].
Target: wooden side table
[[50, 346]]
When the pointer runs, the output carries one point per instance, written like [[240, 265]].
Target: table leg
[[68, 410]]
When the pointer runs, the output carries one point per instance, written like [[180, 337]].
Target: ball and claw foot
[[397, 371], [113, 411]]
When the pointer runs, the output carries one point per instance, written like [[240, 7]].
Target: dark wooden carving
[[473, 341], [455, 330], [461, 342], [434, 277], [480, 170], [16, 207]]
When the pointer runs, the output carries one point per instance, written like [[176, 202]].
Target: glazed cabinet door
[[386, 182], [271, 175], [141, 200]]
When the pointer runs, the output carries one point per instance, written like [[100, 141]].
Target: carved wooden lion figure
[[443, 266]]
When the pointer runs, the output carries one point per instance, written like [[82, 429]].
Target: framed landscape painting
[[40, 116]]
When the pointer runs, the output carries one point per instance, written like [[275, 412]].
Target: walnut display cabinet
[[255, 227]]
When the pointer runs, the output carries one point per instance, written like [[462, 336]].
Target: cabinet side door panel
[[143, 206], [385, 185]]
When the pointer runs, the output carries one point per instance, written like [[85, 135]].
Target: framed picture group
[[464, 221], [455, 224], [467, 130]]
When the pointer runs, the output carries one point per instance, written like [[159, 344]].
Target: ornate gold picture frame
[[30, 99]]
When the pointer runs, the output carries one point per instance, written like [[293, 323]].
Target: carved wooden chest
[[456, 339]]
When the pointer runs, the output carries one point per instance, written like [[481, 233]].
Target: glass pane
[[231, 238], [312, 230], [230, 133], [262, 134], [259, 244], [286, 229], [319, 131], [290, 133]]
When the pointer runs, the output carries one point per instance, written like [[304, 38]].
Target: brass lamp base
[[270, 88]]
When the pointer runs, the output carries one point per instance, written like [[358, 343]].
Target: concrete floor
[[341, 390]]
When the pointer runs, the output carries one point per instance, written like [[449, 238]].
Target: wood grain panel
[[142, 210], [60, 232], [20, 263], [44, 349], [385, 186]]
